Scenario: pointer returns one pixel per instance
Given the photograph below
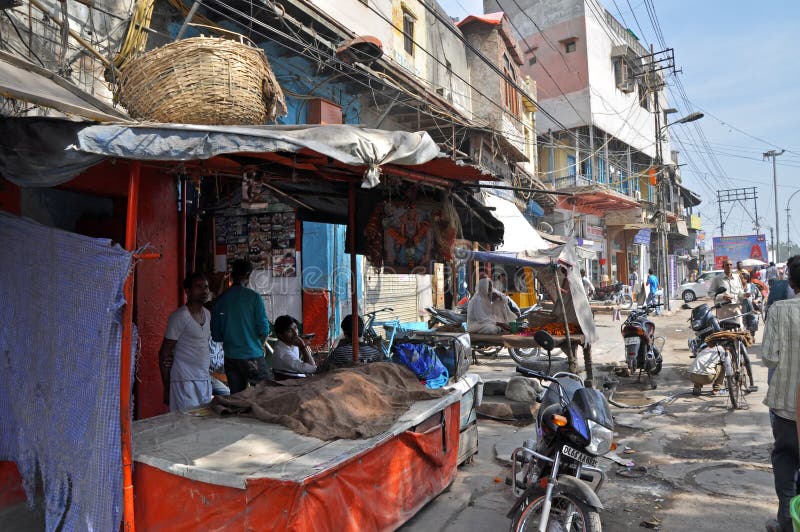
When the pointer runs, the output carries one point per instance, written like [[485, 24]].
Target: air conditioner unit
[[627, 86]]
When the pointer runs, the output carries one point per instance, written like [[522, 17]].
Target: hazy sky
[[740, 64]]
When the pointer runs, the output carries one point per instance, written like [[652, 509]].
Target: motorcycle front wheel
[[488, 351], [626, 301], [521, 355], [567, 513]]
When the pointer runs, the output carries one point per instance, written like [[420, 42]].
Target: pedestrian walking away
[[781, 352], [652, 290], [239, 321]]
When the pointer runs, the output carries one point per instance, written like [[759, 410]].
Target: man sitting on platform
[[342, 355], [488, 312], [292, 359]]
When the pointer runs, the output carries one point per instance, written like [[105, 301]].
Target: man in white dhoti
[[185, 355], [488, 312]]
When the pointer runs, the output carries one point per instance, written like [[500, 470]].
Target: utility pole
[[721, 218], [774, 154], [772, 238], [655, 62], [788, 217]]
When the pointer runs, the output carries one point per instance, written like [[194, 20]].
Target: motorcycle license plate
[[632, 340], [579, 456]]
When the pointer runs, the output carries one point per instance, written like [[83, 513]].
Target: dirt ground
[[698, 464]]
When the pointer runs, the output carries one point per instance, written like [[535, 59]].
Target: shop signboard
[[738, 248], [701, 240], [672, 264], [642, 237]]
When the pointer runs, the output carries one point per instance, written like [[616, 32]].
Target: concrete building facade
[[598, 136]]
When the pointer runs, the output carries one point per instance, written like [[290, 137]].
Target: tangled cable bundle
[[202, 80]]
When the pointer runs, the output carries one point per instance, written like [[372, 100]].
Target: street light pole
[[663, 185], [788, 230], [774, 154]]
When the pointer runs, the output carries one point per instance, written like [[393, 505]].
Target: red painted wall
[[156, 294], [155, 286], [11, 491], [9, 197]]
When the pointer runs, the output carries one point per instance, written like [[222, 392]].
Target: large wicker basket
[[202, 80]]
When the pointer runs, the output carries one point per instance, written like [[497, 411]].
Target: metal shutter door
[[397, 291]]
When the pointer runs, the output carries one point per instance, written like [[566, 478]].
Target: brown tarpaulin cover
[[359, 402]]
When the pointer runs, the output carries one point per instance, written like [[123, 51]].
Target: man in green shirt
[[239, 321]]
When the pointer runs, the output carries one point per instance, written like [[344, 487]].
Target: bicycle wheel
[[741, 381], [730, 382], [736, 381]]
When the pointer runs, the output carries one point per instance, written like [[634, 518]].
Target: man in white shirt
[[185, 355], [781, 353], [707, 369], [291, 357], [588, 287], [734, 293]]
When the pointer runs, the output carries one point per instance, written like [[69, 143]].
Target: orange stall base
[[197, 471]]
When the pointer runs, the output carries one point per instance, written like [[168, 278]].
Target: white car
[[690, 291]]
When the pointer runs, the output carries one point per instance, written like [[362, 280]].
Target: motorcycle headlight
[[601, 439], [697, 324]]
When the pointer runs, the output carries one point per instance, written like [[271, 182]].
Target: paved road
[[707, 465]]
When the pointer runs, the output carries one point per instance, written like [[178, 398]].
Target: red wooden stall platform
[[197, 471]]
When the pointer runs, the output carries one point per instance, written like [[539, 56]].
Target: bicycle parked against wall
[[390, 327]]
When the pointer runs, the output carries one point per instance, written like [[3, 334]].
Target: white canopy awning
[[519, 235]]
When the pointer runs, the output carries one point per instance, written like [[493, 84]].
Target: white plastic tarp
[[519, 235], [51, 152]]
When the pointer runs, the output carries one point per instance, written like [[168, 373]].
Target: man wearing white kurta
[[185, 355], [488, 311]]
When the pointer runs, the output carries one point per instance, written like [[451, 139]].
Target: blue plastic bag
[[422, 360]]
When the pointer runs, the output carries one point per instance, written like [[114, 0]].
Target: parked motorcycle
[[703, 322], [641, 352], [616, 293], [458, 318], [445, 317], [555, 477]]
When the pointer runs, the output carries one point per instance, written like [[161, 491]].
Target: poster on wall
[[672, 264], [259, 229], [408, 236], [738, 248]]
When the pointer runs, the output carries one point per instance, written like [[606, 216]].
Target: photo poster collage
[[266, 239]]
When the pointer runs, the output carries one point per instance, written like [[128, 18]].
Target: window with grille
[[623, 75], [408, 32]]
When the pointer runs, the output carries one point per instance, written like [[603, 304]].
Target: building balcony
[[592, 197], [626, 188]]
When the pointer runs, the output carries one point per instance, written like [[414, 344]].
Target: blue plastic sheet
[[423, 361], [60, 334]]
